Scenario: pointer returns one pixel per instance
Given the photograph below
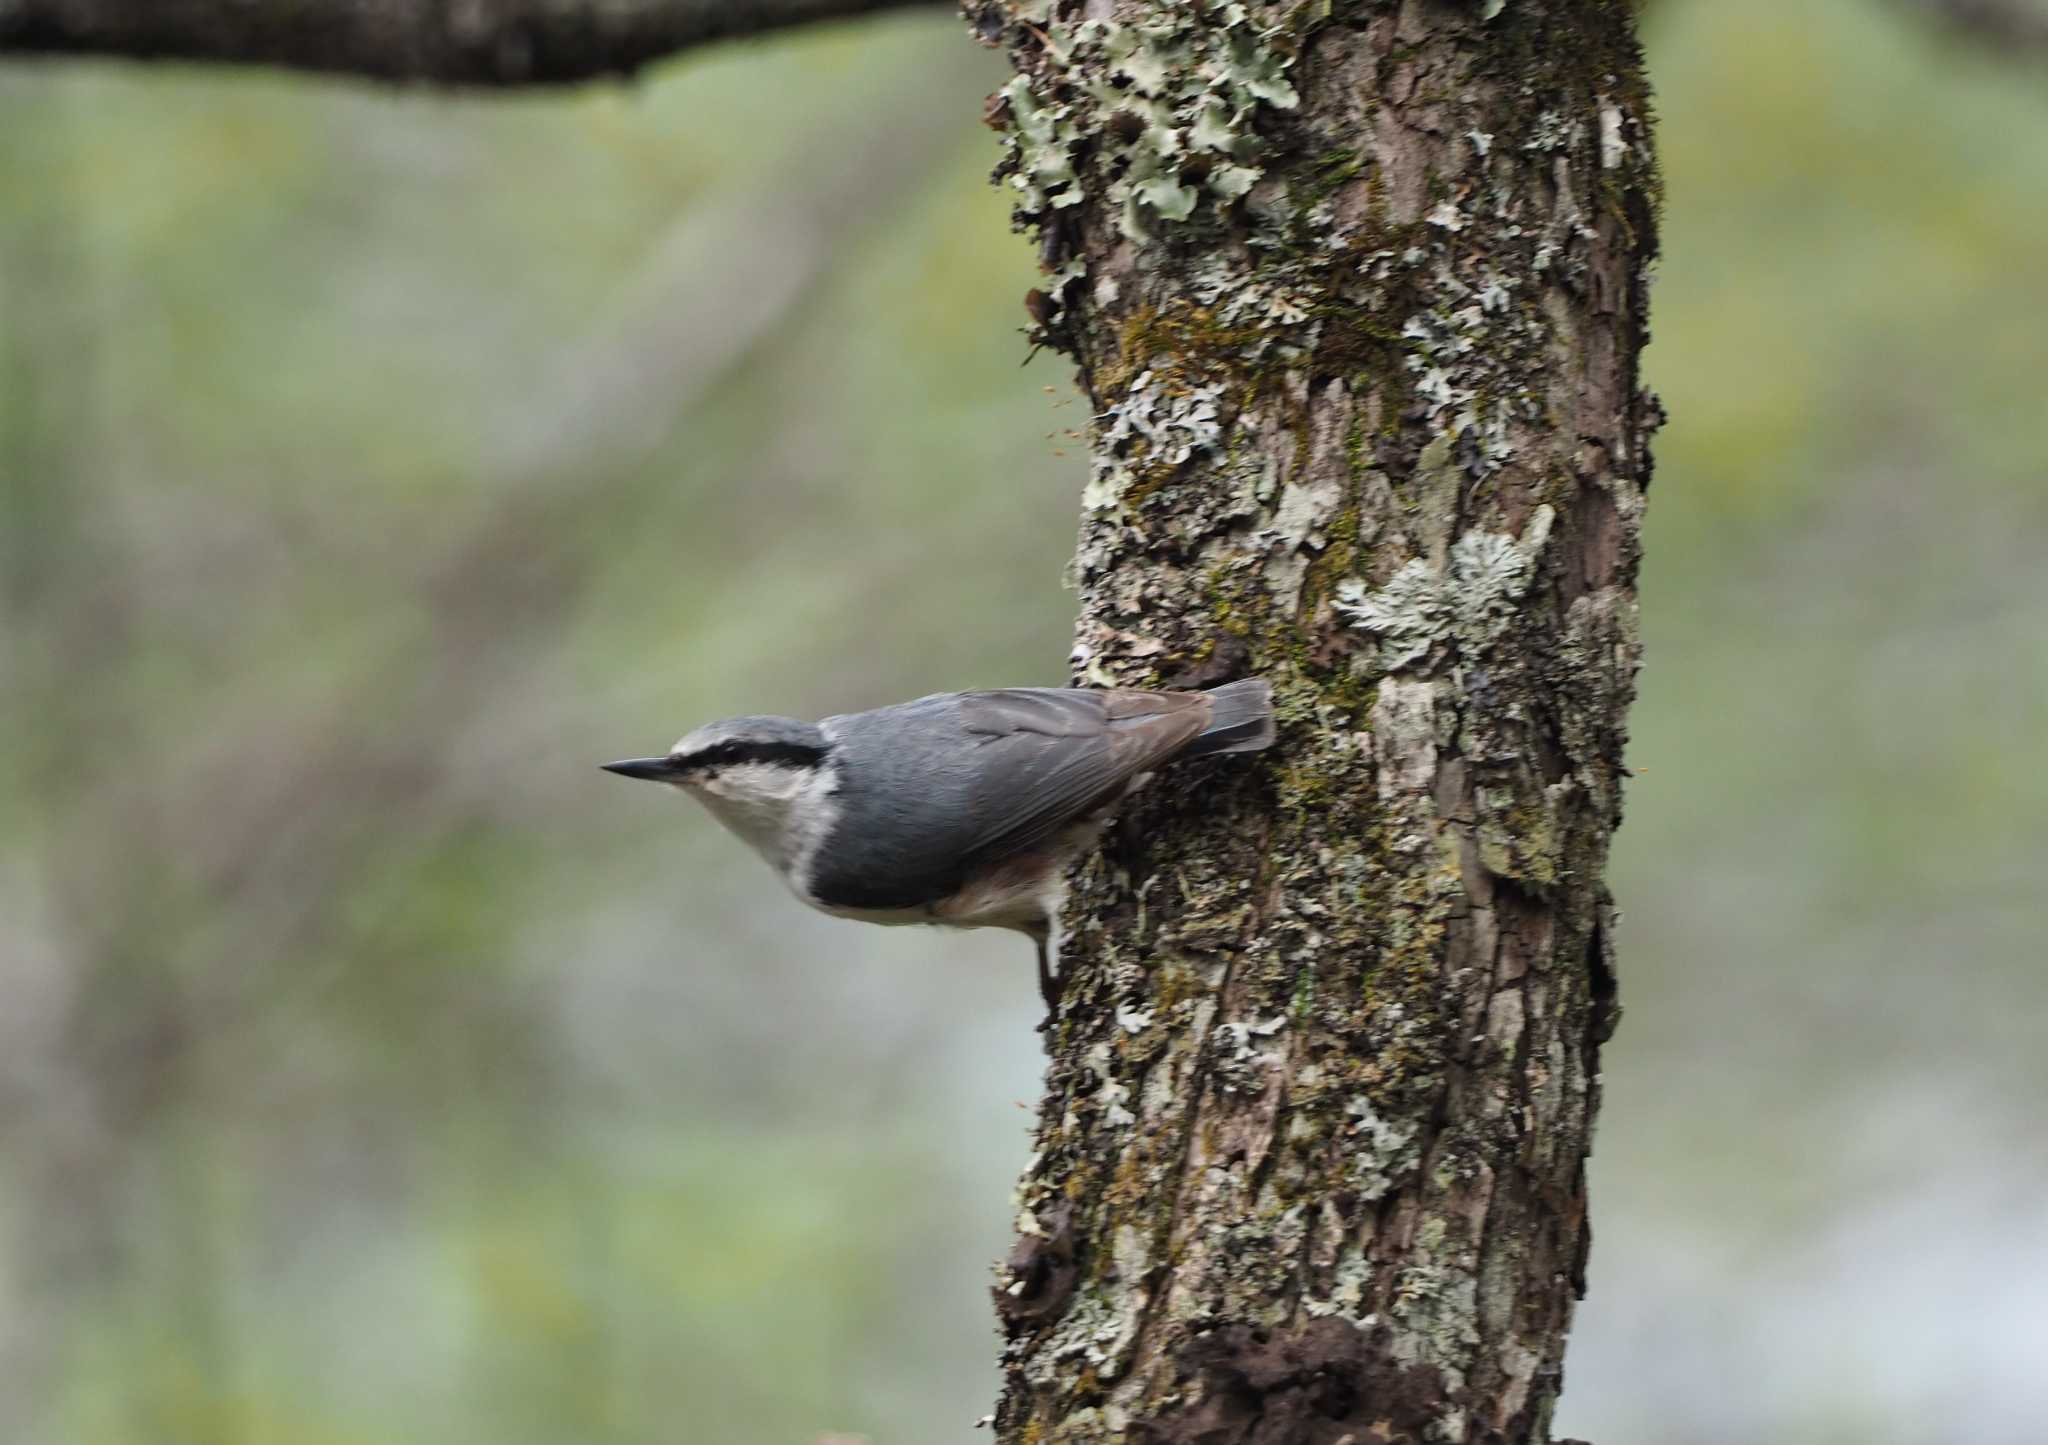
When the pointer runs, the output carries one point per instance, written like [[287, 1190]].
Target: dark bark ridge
[[443, 42], [1356, 292]]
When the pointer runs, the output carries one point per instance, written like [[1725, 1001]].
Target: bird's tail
[[1242, 720]]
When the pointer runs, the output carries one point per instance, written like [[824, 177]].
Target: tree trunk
[[1357, 293]]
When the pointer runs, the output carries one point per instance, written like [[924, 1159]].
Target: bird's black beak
[[655, 770]]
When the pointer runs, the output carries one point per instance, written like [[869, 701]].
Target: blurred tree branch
[[2018, 24], [464, 43]]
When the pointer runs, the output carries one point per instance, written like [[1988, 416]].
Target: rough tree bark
[[1357, 293]]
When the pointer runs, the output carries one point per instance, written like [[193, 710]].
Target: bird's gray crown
[[776, 740]]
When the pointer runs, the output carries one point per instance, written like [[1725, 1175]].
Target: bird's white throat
[[781, 812]]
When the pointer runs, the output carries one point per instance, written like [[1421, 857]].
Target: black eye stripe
[[734, 751]]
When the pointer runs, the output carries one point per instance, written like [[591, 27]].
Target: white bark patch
[[1297, 531], [1305, 510], [1404, 737], [1612, 146], [1505, 1020]]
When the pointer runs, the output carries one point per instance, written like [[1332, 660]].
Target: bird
[[962, 809]]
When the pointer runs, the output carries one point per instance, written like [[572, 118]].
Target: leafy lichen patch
[[1467, 604], [1154, 114]]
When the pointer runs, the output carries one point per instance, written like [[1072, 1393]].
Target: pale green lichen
[[1409, 614], [1112, 1095], [1434, 1313], [1092, 1330], [1237, 1064], [1153, 114], [1044, 173], [1155, 428], [1172, 425], [1467, 602], [1523, 840], [1347, 1291], [1382, 1150]]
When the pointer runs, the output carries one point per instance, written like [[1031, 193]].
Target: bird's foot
[[1050, 985]]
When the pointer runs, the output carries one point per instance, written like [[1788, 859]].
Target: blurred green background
[[373, 1069]]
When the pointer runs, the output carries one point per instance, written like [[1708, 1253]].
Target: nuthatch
[[962, 808]]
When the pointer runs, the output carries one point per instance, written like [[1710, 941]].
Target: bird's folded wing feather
[[1049, 756]]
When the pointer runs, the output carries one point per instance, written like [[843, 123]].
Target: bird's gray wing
[[1048, 756]]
